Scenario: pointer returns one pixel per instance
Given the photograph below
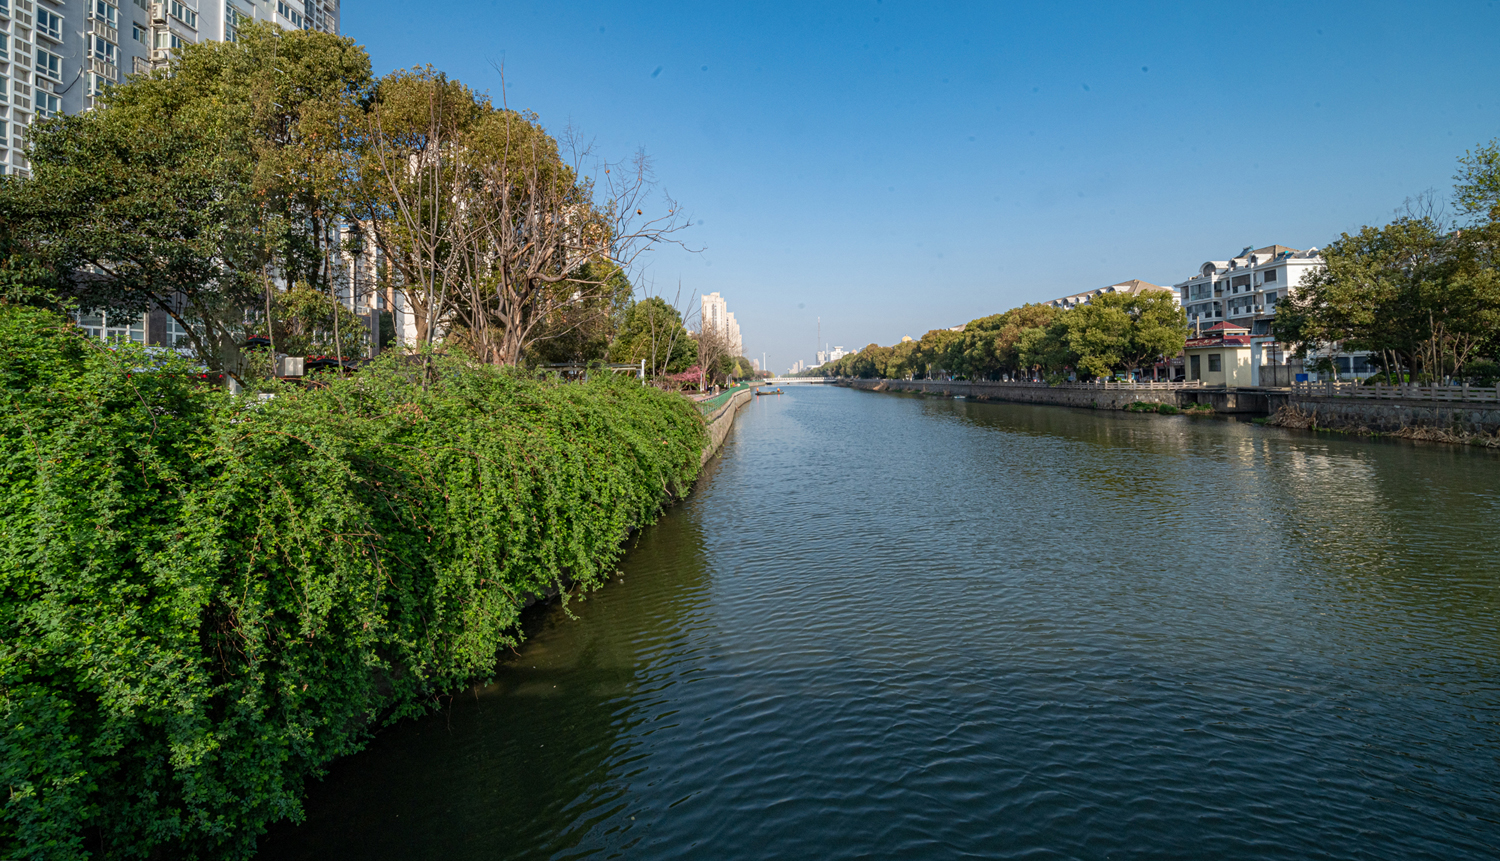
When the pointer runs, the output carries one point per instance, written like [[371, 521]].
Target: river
[[905, 627]]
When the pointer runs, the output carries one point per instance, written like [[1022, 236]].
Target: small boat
[[758, 392]]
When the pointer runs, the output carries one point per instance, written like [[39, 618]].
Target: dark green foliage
[[1116, 331], [204, 599], [1145, 407]]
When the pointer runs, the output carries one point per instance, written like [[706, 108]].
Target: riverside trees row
[[1116, 332], [1421, 295], [266, 181]]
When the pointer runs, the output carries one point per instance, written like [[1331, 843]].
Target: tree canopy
[[1420, 294], [1117, 332]]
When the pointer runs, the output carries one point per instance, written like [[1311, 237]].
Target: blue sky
[[893, 167]]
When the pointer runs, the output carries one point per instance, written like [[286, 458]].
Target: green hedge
[[204, 599]]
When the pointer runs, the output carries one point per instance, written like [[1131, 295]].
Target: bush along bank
[[205, 599]]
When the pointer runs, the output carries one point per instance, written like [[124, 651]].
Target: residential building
[[716, 317], [1133, 287], [833, 355], [1244, 289], [1237, 298], [57, 56]]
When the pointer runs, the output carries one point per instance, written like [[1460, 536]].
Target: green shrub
[[204, 599], [1167, 410], [1482, 372]]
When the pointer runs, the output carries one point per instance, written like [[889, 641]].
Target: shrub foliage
[[204, 599]]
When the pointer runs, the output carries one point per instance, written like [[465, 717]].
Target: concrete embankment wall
[[1454, 422], [1102, 399], [1431, 420], [722, 420]]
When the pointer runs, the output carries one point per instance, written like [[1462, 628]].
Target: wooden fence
[[1403, 392]]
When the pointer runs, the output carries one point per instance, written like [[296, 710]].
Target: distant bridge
[[798, 381]]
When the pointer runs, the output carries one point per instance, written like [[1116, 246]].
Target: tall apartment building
[[717, 317], [57, 56]]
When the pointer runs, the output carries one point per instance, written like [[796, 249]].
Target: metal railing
[[1096, 385], [1399, 392]]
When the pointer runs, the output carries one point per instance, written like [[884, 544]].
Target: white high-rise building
[[718, 318], [56, 56]]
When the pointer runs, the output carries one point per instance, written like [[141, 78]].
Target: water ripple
[[908, 627]]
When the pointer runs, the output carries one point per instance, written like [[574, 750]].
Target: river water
[[905, 627]]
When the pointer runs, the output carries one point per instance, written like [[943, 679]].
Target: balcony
[[100, 27]]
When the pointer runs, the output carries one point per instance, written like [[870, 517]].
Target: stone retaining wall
[[722, 420], [1100, 399], [1390, 417]]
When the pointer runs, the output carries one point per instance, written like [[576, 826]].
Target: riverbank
[[915, 618], [1457, 425], [1434, 421], [721, 420], [206, 598]]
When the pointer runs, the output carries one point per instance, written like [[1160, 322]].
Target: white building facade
[[1243, 292], [57, 56], [716, 317], [1244, 289]]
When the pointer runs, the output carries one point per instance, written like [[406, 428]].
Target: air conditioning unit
[[158, 13]]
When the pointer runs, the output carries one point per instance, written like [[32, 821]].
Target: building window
[[97, 83], [113, 327], [289, 13], [167, 39], [1271, 299], [144, 4], [177, 334], [49, 64], [4, 47], [1215, 362], [103, 49], [184, 14], [107, 13], [4, 93], [138, 33], [1270, 275], [47, 105], [1195, 365], [49, 24], [232, 19]]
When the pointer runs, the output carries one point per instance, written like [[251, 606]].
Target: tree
[[182, 192], [653, 330], [715, 359], [581, 331], [1097, 334], [487, 228], [1158, 326], [1015, 323], [1045, 348], [1477, 183]]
